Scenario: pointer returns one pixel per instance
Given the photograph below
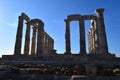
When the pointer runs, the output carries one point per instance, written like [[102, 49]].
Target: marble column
[[89, 42], [67, 38], [48, 45], [52, 44], [45, 41], [27, 39], [103, 46], [82, 37], [33, 47], [18, 43], [40, 38], [96, 37]]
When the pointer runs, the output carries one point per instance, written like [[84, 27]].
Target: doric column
[[52, 44], [48, 45], [40, 39], [45, 41], [33, 47], [103, 47], [27, 40], [96, 36], [92, 30], [89, 46], [18, 43], [82, 37], [67, 38]]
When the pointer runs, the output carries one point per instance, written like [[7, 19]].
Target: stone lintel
[[88, 17], [67, 53], [74, 17], [78, 17]]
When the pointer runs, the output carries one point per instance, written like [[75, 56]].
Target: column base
[[67, 53], [82, 53], [17, 54]]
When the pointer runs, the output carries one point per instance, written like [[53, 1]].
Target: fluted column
[[96, 37], [103, 47], [89, 46], [48, 45], [18, 43], [43, 46], [67, 38], [40, 38], [82, 37], [27, 40], [52, 44], [45, 43], [33, 47]]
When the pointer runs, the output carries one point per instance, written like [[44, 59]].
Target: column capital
[[20, 18], [34, 28], [28, 24], [66, 20], [81, 20], [100, 10]]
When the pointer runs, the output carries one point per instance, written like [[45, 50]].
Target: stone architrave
[[67, 38], [18, 43], [27, 40], [82, 37], [103, 47], [33, 47]]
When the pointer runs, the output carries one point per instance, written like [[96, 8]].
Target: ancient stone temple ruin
[[40, 56], [44, 42], [96, 35]]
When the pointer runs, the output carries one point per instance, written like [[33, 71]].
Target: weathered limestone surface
[[27, 40], [82, 37], [103, 47], [19, 36], [33, 47]]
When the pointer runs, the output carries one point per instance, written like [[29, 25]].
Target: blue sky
[[53, 13]]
